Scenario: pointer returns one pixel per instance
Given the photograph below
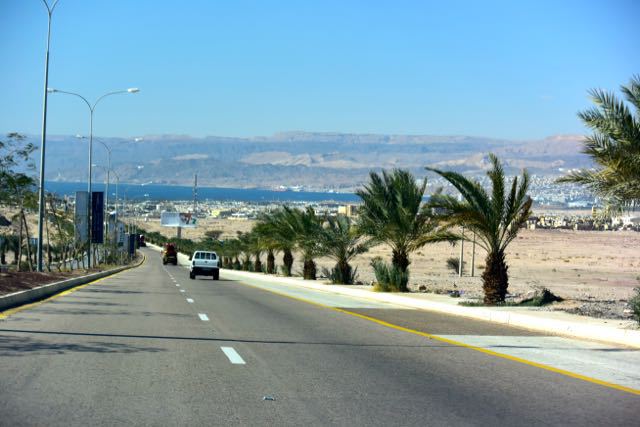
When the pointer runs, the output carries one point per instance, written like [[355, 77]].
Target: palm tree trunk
[[309, 270], [257, 264], [26, 229], [19, 254], [345, 272], [271, 262], [495, 279], [288, 262], [400, 259]]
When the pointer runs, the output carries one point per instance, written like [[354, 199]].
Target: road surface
[[148, 346]]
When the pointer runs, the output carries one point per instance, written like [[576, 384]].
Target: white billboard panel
[[178, 219]]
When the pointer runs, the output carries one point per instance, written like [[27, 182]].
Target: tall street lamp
[[91, 111], [41, 205]]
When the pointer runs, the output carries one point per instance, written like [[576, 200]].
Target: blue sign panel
[[97, 216]]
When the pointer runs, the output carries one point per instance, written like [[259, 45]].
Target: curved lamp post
[[41, 206], [92, 108]]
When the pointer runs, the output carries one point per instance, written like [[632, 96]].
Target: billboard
[[178, 219], [97, 216], [81, 217], [120, 235]]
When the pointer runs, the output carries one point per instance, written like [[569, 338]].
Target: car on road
[[204, 263], [169, 254], [141, 242]]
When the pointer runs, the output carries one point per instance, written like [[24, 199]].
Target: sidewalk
[[619, 332]]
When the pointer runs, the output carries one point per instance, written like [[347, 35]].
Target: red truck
[[169, 254]]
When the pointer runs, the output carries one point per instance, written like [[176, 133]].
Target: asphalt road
[[150, 347]]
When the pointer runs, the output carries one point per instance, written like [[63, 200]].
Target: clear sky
[[507, 69]]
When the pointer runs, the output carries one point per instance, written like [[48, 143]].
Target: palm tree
[[495, 219], [268, 243], [614, 146], [342, 242], [245, 244], [391, 213], [305, 227], [274, 228]]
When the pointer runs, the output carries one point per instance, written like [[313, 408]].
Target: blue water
[[173, 192]]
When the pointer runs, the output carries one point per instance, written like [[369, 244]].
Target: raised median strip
[[29, 296]]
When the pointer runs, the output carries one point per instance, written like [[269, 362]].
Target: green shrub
[[388, 277], [335, 275], [285, 270], [453, 264], [634, 304]]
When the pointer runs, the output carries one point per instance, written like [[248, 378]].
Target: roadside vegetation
[[395, 211], [494, 218], [614, 146]]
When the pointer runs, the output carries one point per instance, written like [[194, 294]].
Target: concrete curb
[[50, 289], [555, 323]]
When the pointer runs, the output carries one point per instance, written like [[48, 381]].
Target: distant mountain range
[[312, 160]]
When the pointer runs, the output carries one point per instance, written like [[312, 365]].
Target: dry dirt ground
[[595, 272], [11, 282]]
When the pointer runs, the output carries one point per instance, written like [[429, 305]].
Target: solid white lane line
[[203, 317], [233, 356], [190, 301]]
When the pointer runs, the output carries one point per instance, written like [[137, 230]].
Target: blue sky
[[506, 69]]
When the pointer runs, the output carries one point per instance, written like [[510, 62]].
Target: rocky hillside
[[315, 160]]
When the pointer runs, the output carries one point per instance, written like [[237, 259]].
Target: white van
[[204, 263]]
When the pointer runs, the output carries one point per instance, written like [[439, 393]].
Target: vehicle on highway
[[169, 254], [204, 263], [141, 242]]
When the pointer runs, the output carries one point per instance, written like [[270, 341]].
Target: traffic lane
[[442, 324], [132, 302], [611, 364], [62, 367], [332, 362]]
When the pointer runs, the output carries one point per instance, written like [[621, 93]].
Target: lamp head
[[133, 90]]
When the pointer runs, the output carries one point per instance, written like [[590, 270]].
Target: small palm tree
[[274, 228], [305, 228], [269, 244], [342, 242], [614, 146], [495, 219], [391, 213]]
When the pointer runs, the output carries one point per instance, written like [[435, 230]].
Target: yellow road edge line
[[457, 343], [9, 312]]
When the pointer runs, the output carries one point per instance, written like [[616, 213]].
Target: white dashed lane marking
[[203, 317], [233, 356], [189, 300]]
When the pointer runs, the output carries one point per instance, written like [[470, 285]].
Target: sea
[[158, 192]]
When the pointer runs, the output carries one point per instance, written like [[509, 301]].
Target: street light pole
[[41, 205], [91, 111]]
